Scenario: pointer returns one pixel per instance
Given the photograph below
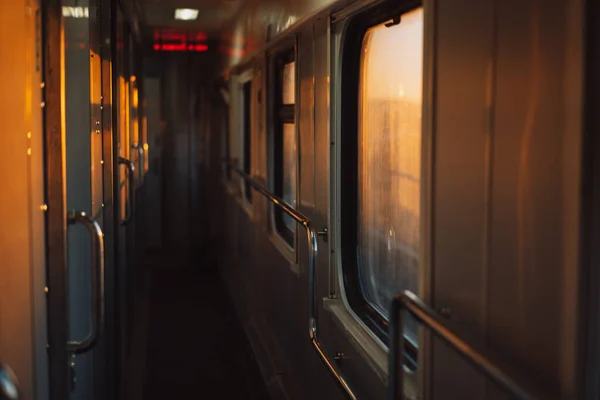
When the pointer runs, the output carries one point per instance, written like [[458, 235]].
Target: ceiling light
[[186, 14], [76, 12]]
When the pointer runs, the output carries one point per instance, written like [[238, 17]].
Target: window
[[247, 136], [381, 156], [223, 120], [226, 142], [285, 152]]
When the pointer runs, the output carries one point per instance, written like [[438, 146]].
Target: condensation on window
[[389, 157], [289, 84], [289, 170]]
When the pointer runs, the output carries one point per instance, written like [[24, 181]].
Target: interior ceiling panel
[[211, 18]]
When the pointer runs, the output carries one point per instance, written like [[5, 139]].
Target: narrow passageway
[[196, 346]]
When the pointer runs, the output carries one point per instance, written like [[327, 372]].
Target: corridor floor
[[196, 347]]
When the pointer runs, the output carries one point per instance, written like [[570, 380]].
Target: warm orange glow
[[389, 170], [145, 145], [96, 167], [135, 123], [123, 141], [135, 100]]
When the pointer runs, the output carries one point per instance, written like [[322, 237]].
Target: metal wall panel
[[260, 20], [306, 118], [36, 201], [55, 175], [464, 79], [108, 386], [322, 146], [506, 127], [82, 135], [507, 177], [22, 303], [535, 187]]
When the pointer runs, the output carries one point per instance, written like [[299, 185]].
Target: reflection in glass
[[289, 83], [289, 170], [247, 136], [389, 157]]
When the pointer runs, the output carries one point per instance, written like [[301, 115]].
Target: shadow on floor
[[197, 348]]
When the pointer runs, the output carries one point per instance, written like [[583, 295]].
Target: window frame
[[246, 191], [280, 114], [351, 62], [225, 114]]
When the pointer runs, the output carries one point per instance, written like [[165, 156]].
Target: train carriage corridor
[[299, 199]]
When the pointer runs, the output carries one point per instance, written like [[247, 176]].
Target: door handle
[[9, 386], [131, 186], [80, 347], [140, 161], [137, 147]]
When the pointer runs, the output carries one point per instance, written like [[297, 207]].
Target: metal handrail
[[408, 301], [9, 385], [403, 301], [80, 347], [311, 236], [131, 188]]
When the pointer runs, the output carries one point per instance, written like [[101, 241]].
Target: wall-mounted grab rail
[[403, 301], [9, 385], [311, 236], [424, 314], [85, 345], [131, 186]]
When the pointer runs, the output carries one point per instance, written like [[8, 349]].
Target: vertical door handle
[[79, 347], [140, 149], [131, 185], [9, 386], [141, 161]]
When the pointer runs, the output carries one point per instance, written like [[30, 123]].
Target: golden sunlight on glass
[[289, 170], [289, 83], [389, 175], [135, 100]]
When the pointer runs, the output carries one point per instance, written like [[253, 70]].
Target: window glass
[[227, 141], [247, 135], [389, 157], [289, 170], [285, 152], [289, 83]]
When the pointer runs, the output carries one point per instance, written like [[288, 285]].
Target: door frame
[[56, 214], [54, 121]]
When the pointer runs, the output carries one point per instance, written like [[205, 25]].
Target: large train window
[[246, 123], [285, 154], [223, 120], [381, 156]]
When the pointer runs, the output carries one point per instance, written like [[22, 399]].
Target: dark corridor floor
[[196, 347]]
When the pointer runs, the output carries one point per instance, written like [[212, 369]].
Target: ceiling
[[211, 18]]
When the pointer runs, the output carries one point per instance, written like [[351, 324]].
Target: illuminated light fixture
[[76, 12], [186, 14]]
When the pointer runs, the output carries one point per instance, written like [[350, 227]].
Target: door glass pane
[[389, 157], [81, 80], [289, 170], [289, 83]]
